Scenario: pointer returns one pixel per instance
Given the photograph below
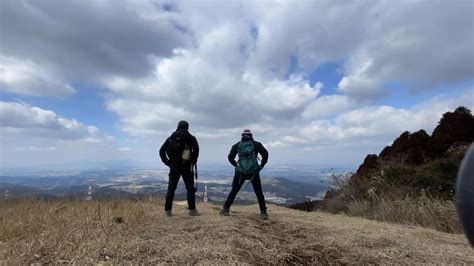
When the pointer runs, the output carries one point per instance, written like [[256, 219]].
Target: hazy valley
[[282, 185]]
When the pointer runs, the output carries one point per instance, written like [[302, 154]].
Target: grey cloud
[[422, 45], [84, 41]]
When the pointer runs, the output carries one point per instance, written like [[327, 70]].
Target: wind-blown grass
[[423, 211]]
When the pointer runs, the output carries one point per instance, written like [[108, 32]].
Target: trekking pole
[[250, 181], [196, 175]]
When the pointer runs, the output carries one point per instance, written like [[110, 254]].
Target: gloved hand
[[261, 166], [167, 162]]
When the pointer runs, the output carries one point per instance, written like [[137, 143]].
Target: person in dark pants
[[241, 175], [180, 152]]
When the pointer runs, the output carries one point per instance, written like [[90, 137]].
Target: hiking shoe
[[168, 213], [193, 212], [224, 212], [264, 215]]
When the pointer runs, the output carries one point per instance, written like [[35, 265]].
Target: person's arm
[[163, 148], [232, 154], [263, 152], [195, 147]]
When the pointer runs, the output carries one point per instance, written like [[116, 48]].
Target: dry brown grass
[[83, 232], [421, 211]]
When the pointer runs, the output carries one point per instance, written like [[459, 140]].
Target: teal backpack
[[247, 163]]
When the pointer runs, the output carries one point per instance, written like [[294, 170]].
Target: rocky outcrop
[[369, 164], [454, 127], [409, 148], [414, 162]]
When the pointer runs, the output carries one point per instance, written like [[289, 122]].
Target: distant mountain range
[[78, 166], [138, 183]]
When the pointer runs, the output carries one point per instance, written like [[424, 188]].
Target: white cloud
[[27, 78], [20, 119], [377, 125], [329, 105], [36, 148], [188, 87], [359, 85], [30, 135]]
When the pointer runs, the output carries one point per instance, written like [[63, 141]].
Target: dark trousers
[[239, 180], [176, 171]]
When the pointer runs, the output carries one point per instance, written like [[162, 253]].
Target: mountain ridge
[[416, 161]]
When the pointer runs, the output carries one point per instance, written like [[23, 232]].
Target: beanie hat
[[247, 132], [183, 125]]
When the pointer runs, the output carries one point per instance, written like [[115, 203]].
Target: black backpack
[[178, 146]]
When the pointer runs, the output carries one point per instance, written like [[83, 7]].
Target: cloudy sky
[[318, 82]]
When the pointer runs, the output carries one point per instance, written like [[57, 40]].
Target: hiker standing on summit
[[180, 152], [247, 168]]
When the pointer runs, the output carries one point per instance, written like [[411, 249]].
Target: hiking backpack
[[247, 163], [178, 147]]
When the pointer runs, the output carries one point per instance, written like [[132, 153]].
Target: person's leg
[[236, 185], [257, 187], [188, 179], [172, 184]]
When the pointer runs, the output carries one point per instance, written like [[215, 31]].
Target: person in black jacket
[[240, 178], [465, 192], [180, 152]]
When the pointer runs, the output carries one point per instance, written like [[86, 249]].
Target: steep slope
[[80, 232]]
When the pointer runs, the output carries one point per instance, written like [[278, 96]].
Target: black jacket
[[259, 149], [192, 142]]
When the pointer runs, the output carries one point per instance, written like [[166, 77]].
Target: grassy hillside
[[80, 232]]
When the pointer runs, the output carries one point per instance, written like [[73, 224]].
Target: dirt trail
[[289, 236]]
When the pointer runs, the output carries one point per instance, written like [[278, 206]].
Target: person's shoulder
[[191, 136], [166, 141], [257, 143], [174, 133], [169, 137]]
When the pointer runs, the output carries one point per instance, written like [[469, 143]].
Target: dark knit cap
[[183, 125]]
